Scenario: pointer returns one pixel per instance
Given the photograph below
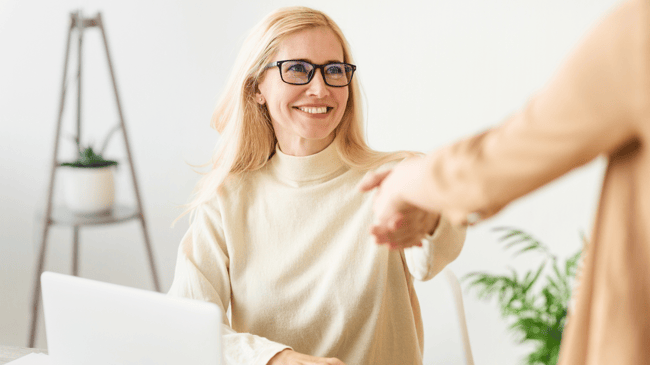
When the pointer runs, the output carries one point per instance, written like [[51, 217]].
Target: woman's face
[[304, 116]]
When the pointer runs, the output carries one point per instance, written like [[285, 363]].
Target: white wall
[[468, 65]]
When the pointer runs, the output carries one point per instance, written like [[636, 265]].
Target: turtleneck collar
[[303, 169]]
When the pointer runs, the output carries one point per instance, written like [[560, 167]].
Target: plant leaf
[[532, 281]]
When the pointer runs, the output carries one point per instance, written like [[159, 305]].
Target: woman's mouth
[[314, 110]]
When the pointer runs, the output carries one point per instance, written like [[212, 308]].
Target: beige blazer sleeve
[[591, 106]]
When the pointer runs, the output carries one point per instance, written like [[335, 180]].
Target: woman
[[598, 103], [280, 234]]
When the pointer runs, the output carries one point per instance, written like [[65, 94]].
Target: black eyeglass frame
[[313, 72]]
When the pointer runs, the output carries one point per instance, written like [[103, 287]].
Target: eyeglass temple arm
[[272, 64]]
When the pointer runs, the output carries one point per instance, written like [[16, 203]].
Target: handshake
[[402, 217]]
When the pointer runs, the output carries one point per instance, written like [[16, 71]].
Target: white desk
[[11, 353]]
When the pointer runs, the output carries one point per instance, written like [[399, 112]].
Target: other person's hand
[[290, 357]]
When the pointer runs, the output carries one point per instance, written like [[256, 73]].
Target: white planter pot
[[89, 190]]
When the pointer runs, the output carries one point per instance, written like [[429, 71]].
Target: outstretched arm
[[591, 106]]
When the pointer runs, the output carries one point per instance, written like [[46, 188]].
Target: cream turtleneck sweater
[[288, 248]]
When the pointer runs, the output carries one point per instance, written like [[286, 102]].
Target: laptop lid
[[91, 322]]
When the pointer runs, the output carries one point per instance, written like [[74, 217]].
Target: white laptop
[[91, 322]]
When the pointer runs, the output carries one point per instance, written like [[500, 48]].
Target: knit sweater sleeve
[[202, 273], [437, 250]]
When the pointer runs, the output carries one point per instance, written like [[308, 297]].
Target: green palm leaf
[[535, 308]]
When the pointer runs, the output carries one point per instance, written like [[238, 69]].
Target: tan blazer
[[597, 103]]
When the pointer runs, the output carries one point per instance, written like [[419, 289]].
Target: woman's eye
[[297, 68], [335, 70]]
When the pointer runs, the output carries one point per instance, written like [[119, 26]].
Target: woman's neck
[[304, 147]]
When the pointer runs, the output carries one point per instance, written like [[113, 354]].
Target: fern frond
[[515, 237], [537, 313]]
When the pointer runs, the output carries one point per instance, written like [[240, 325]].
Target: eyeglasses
[[296, 72]]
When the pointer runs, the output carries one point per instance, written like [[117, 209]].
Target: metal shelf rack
[[61, 215]]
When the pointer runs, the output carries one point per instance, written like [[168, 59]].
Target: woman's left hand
[[398, 223]]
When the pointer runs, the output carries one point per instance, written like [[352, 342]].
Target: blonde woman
[[280, 235]]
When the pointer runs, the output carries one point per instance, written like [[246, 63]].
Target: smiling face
[[304, 116]]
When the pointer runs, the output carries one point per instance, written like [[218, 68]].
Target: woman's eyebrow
[[310, 61]]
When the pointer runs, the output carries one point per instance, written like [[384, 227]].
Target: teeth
[[319, 110]]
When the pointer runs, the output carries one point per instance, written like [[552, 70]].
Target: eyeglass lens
[[300, 72]]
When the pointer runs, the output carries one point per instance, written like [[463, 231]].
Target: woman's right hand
[[290, 357]]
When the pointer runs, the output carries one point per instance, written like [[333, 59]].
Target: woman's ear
[[260, 98]]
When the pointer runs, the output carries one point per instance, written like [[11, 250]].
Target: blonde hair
[[247, 138]]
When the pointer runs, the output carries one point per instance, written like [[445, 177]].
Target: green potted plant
[[536, 308], [89, 186]]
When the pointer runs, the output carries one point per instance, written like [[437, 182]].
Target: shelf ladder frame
[[79, 23]]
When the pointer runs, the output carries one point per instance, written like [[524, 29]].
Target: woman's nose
[[317, 86]]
